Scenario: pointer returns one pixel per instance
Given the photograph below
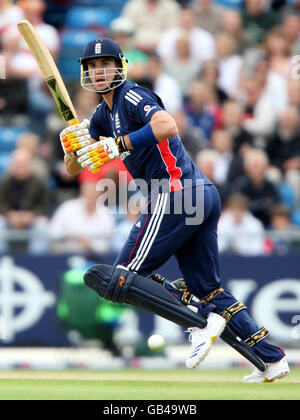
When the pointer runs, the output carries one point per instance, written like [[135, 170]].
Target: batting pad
[[120, 285]]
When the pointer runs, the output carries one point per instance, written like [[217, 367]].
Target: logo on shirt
[[124, 155], [148, 108]]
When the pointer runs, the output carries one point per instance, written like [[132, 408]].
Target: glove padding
[[98, 154], [75, 137]]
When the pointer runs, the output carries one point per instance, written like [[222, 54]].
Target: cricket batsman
[[131, 123]]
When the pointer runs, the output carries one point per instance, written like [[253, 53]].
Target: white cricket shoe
[[202, 339], [274, 371]]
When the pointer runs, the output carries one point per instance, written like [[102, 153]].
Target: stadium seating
[[88, 17], [287, 194], [8, 141], [115, 4], [73, 41], [77, 38], [296, 217], [4, 161], [9, 137]]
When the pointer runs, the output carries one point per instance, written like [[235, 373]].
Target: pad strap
[[212, 295], [257, 337], [233, 310]]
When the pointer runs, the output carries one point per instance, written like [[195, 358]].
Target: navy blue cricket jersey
[[133, 107]]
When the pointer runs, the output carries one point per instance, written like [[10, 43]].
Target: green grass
[[179, 384]]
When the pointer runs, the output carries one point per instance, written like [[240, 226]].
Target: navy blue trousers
[[167, 228]]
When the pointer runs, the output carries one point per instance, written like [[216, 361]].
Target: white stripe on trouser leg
[[148, 232], [152, 235], [155, 233]]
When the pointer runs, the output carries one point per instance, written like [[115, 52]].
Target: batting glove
[[98, 154], [75, 137]]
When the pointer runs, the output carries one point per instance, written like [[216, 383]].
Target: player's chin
[[102, 87]]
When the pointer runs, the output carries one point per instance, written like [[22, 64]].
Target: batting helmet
[[100, 48]]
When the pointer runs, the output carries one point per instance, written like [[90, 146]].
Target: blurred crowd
[[229, 73]]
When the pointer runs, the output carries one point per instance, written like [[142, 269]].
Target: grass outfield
[[134, 384]]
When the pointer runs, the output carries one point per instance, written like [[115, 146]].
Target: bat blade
[[49, 71]]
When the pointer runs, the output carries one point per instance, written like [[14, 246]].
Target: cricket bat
[[49, 71]]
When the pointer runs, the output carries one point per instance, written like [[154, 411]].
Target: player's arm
[[162, 125], [157, 125]]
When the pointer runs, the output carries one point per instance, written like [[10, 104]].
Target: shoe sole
[[279, 376], [212, 339]]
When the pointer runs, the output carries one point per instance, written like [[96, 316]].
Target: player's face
[[102, 72]]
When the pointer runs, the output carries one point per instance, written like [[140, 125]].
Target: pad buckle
[[187, 297], [158, 278]]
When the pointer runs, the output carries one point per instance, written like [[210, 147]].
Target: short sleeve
[[141, 103]]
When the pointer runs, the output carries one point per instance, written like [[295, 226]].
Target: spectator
[[10, 14], [206, 160], [66, 185], [257, 22], [292, 6], [283, 147], [22, 64], [122, 31], [31, 142], [85, 103], [123, 230], [183, 68], [274, 84], [210, 74], [239, 231], [291, 31], [261, 193], [34, 11], [200, 119], [229, 166], [278, 50], [233, 122], [281, 218], [232, 24], [293, 89], [192, 143], [208, 15], [259, 118], [165, 86], [151, 18], [24, 201], [229, 64], [82, 224], [281, 227], [202, 44]]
